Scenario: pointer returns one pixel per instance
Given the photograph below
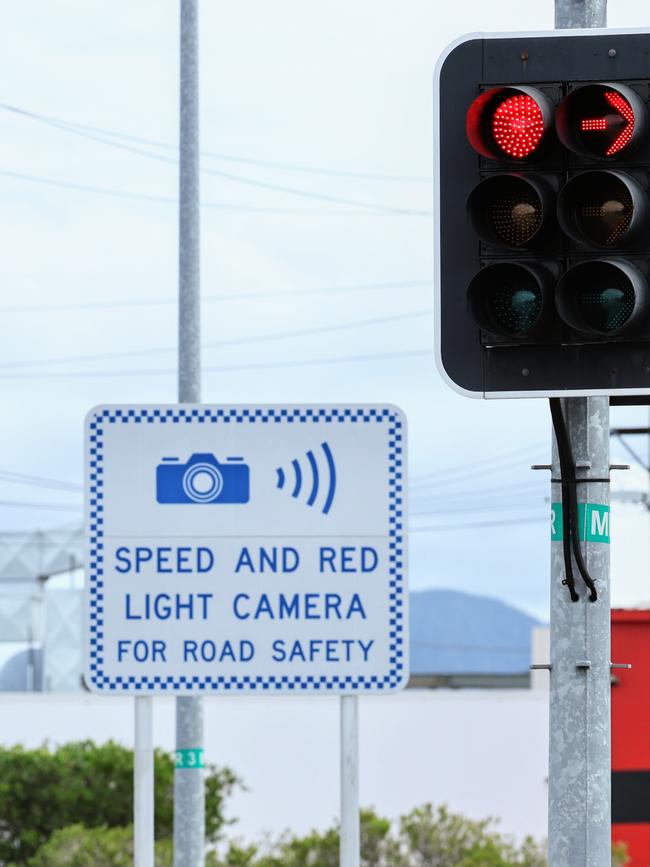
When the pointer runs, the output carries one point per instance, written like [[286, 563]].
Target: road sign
[[246, 549]]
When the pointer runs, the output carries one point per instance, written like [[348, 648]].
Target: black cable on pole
[[573, 499], [558, 421], [570, 531]]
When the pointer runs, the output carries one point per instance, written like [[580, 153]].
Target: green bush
[[42, 791], [77, 846], [423, 838]]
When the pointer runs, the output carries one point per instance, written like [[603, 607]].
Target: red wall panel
[[631, 723]]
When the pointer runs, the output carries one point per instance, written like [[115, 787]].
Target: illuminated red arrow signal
[[624, 115]]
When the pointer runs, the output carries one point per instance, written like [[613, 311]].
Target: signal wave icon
[[326, 476]]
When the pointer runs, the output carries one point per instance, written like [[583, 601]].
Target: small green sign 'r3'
[[189, 759], [593, 522]]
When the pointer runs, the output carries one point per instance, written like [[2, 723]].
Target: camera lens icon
[[202, 483], [203, 479]]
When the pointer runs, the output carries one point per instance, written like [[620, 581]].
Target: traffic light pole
[[574, 14], [189, 795], [579, 829]]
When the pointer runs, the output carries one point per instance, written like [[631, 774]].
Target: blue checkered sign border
[[104, 416]]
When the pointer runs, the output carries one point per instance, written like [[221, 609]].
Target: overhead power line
[[244, 295], [235, 341], [39, 481], [171, 200], [432, 494], [476, 525], [238, 179], [52, 507], [469, 508], [474, 468], [270, 164], [223, 368]]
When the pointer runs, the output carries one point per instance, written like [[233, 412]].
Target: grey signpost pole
[[350, 826], [579, 830], [189, 797], [143, 783]]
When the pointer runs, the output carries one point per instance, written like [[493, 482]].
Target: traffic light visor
[[509, 123], [604, 121]]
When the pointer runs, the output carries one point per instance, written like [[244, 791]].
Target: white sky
[[340, 85]]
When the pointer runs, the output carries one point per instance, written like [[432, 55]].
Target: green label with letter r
[[189, 758], [593, 522]]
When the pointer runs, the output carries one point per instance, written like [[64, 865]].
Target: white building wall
[[540, 655], [482, 752]]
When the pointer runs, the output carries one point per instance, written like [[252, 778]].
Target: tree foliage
[[423, 838], [42, 791], [76, 846], [73, 807]]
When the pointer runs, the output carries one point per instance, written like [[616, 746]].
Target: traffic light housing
[[542, 214]]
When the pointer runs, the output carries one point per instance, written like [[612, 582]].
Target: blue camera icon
[[202, 479]]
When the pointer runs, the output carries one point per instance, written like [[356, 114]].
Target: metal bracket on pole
[[580, 465]]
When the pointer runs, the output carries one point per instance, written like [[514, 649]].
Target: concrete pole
[[350, 825], [189, 793], [143, 784]]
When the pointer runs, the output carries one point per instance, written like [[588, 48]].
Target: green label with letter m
[[593, 522]]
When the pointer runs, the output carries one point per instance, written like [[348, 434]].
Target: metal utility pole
[[574, 14], [189, 794], [143, 784], [350, 852], [579, 829]]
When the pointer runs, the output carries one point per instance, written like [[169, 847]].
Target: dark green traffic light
[[604, 297], [509, 299]]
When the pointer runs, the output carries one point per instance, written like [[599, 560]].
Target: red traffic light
[[509, 122], [602, 120]]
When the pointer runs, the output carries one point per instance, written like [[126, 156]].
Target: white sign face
[[252, 549]]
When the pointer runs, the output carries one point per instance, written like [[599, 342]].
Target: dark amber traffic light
[[604, 209], [511, 209]]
